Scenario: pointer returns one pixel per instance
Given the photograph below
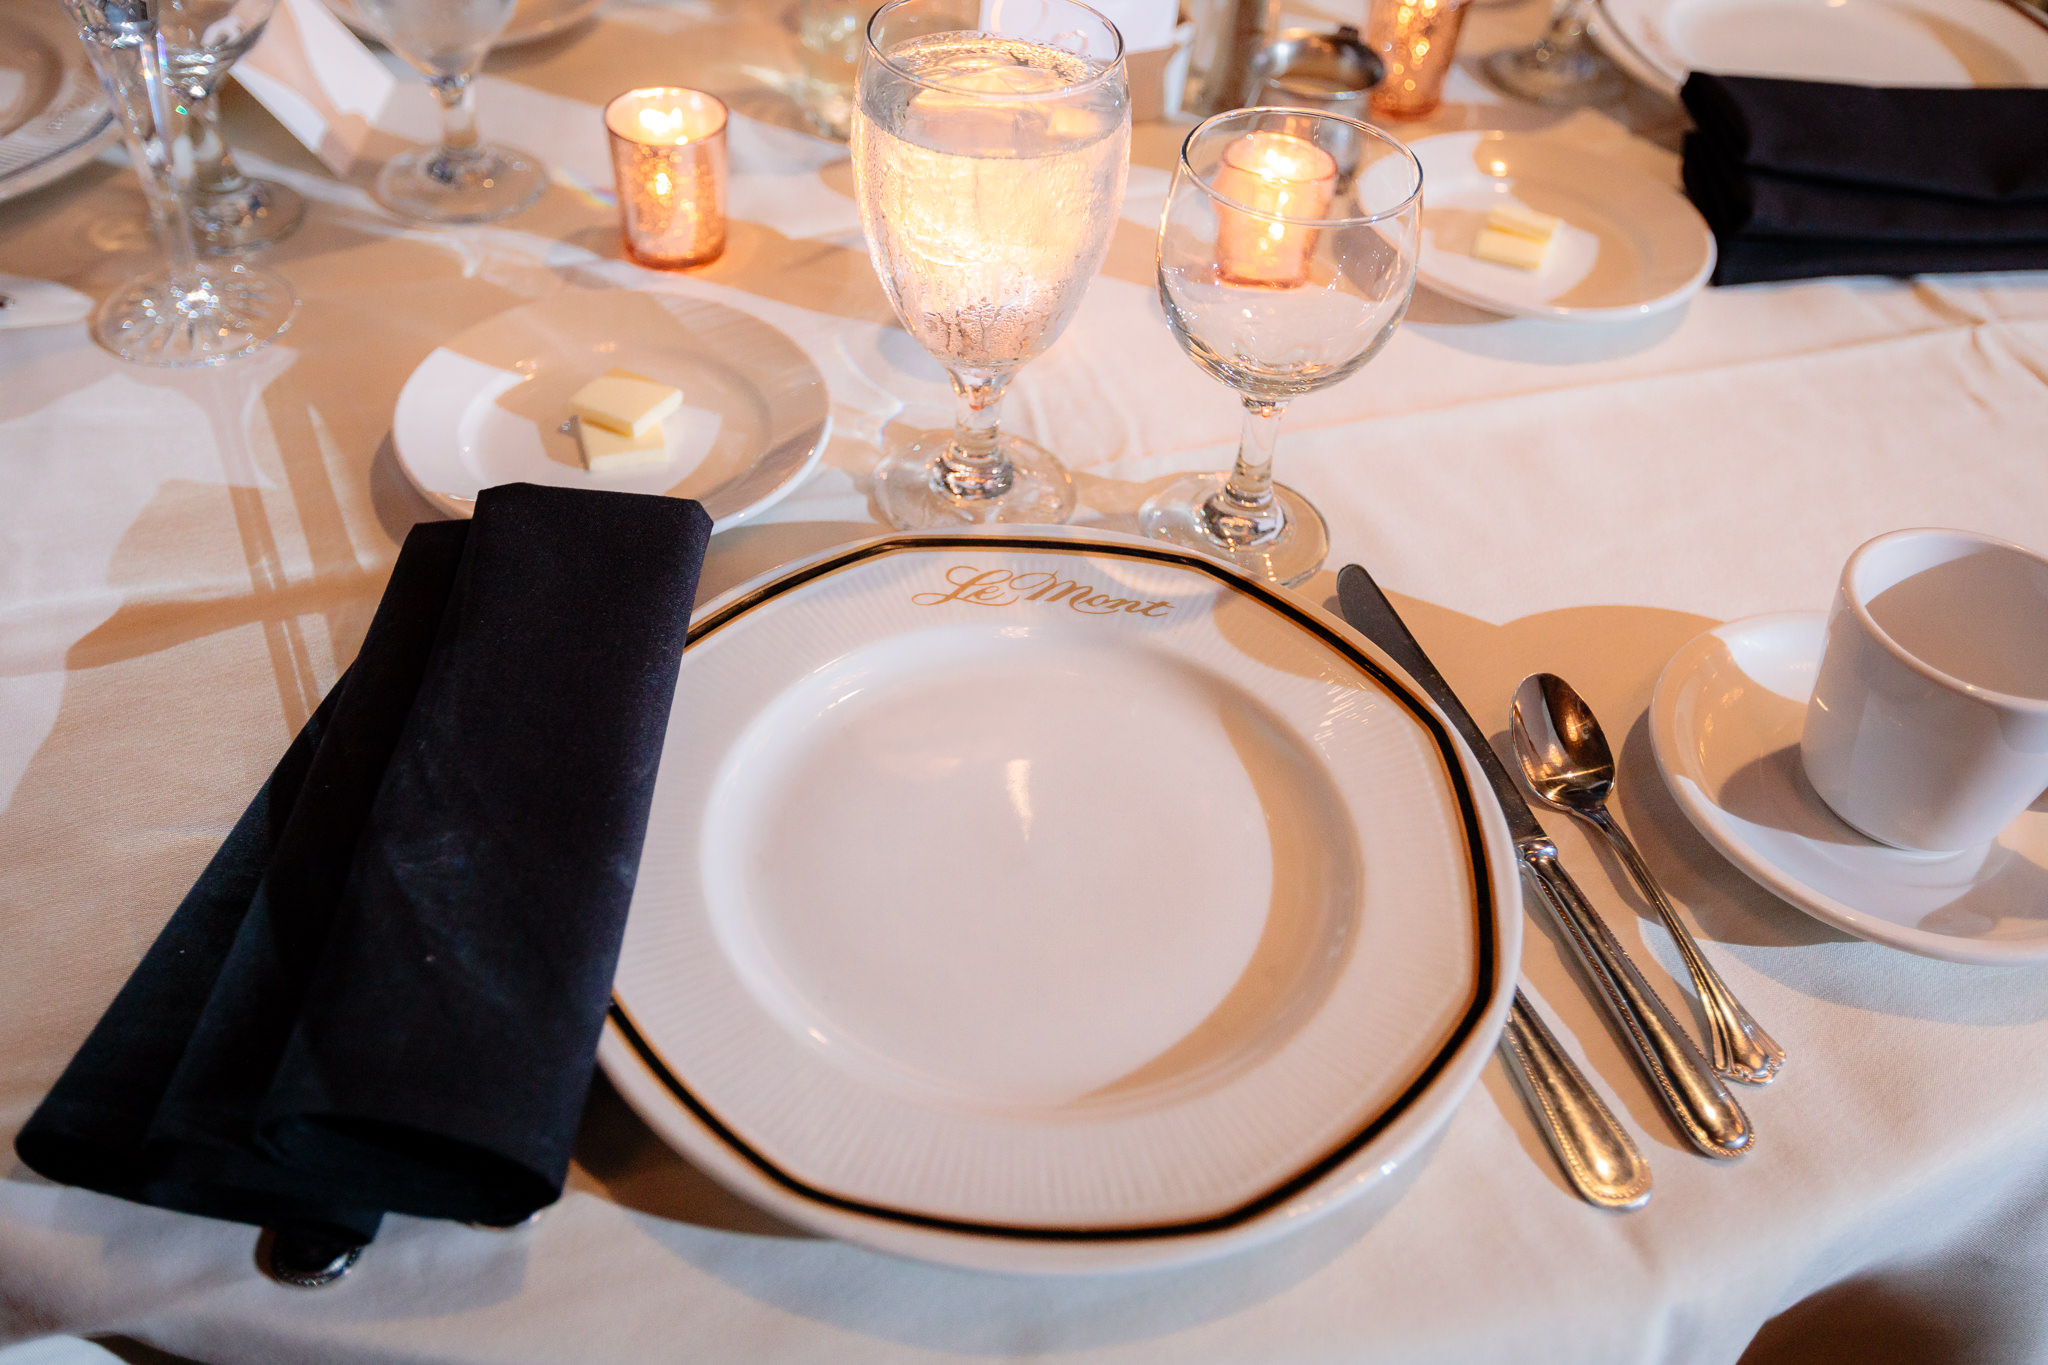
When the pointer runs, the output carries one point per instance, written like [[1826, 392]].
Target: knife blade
[[1701, 1105]]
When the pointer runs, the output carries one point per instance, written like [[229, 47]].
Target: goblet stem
[[214, 172], [1244, 511], [971, 466], [1566, 32], [458, 117]]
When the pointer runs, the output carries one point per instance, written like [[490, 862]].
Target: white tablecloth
[[187, 560]]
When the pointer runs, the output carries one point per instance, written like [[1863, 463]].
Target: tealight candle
[[668, 158], [1278, 174]]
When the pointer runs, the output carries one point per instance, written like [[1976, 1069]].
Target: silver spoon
[[1569, 766]]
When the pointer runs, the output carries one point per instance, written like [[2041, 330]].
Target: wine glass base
[[1178, 514], [492, 183], [908, 494], [1556, 77], [258, 215], [238, 310]]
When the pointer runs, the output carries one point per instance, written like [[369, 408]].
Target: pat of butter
[[628, 403], [1523, 222], [605, 450], [1507, 248]]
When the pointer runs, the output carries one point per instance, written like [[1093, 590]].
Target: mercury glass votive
[[1416, 39], [668, 157], [1279, 178]]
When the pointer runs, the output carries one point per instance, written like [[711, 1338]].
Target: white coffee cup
[[1928, 728]]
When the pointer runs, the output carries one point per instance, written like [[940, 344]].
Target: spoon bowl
[[1566, 761]]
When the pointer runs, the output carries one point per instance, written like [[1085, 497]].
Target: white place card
[[318, 80]]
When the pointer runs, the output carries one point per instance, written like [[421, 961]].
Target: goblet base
[[480, 186], [911, 497], [1185, 513], [236, 310], [258, 215], [1557, 77]]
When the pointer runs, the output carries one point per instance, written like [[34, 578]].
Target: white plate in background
[[1630, 244], [491, 406], [1857, 42]]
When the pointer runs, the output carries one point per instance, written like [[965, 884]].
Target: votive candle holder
[[668, 158]]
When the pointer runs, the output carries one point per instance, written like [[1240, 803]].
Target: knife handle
[[1597, 1154], [1705, 1110]]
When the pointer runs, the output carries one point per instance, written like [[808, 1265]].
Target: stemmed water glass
[[230, 211], [463, 180], [1561, 69], [1286, 259], [185, 314], [990, 145]]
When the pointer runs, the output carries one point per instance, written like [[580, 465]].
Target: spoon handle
[[1742, 1050], [1693, 1095], [1597, 1154]]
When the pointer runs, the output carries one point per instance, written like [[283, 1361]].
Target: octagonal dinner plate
[[1051, 902]]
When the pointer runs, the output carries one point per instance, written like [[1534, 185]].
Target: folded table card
[[318, 80]]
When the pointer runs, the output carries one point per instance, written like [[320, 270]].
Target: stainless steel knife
[[1697, 1100]]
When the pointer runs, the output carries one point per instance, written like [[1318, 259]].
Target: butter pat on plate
[[627, 403], [1516, 236], [605, 450]]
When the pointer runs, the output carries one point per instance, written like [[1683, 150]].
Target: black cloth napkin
[[1801, 178], [385, 991]]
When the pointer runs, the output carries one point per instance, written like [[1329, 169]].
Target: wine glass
[[463, 180], [230, 211], [185, 314], [989, 150], [1286, 259], [1560, 69]]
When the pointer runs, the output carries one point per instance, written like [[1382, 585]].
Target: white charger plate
[[1863, 42], [1049, 902], [53, 115], [1724, 725], [1630, 245], [492, 406]]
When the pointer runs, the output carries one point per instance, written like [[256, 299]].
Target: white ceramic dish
[[1630, 245], [531, 20], [1725, 724], [491, 406], [1048, 902], [1863, 42], [53, 115]]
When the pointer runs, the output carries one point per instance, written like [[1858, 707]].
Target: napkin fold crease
[[385, 990]]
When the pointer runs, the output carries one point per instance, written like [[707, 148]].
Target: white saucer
[[1630, 245], [1045, 901], [1724, 725], [1861, 42], [490, 406]]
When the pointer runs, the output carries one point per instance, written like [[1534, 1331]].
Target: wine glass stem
[[167, 175], [1244, 511], [458, 117], [1567, 29], [214, 172], [972, 466]]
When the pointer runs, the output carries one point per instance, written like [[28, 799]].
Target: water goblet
[[230, 211], [463, 180], [990, 145], [185, 314], [1282, 271], [1561, 69]]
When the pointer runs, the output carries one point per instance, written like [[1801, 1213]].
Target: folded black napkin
[[385, 991], [1800, 178]]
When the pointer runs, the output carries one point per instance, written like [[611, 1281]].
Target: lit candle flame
[[662, 125]]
